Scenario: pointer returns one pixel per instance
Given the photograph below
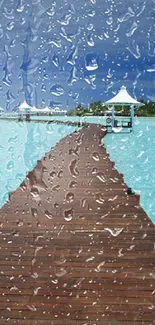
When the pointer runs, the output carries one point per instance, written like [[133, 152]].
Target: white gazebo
[[24, 107], [122, 99]]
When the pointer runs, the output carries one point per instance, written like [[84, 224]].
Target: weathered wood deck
[[75, 248]]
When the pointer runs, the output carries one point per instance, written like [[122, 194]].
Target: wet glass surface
[[76, 246]]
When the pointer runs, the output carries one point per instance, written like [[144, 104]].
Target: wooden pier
[[75, 249], [46, 121]]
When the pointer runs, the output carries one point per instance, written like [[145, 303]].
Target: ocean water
[[21, 145], [88, 119], [134, 156]]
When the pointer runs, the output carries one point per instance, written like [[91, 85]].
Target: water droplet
[[68, 214], [72, 184], [134, 50], [13, 139], [90, 80], [34, 212], [72, 56], [22, 20], [34, 192], [13, 288], [36, 290], [60, 174], [53, 174], [95, 156], [8, 13], [10, 165], [65, 19], [54, 41], [1, 33], [57, 90], [99, 198], [91, 13], [73, 76], [98, 269], [10, 25], [91, 61], [20, 6], [101, 177], [90, 40], [94, 170], [83, 203], [37, 250], [56, 188], [35, 275], [73, 168], [32, 307], [43, 87], [48, 215], [20, 223], [132, 29], [90, 26], [114, 232], [61, 272], [56, 60], [49, 128], [51, 12], [69, 197]]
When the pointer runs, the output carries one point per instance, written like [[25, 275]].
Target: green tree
[[80, 110], [97, 108], [72, 112]]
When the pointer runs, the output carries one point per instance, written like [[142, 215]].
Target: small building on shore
[[121, 100], [58, 111]]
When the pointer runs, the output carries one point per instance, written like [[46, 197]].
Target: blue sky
[[63, 52]]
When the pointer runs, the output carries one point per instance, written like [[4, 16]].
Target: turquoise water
[[89, 119], [134, 156], [21, 145]]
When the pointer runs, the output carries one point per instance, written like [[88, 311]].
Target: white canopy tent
[[39, 110], [123, 99], [46, 109], [24, 106]]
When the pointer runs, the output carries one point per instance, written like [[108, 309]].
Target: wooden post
[[113, 115], [132, 115]]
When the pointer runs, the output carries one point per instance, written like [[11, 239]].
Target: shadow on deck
[[75, 248]]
